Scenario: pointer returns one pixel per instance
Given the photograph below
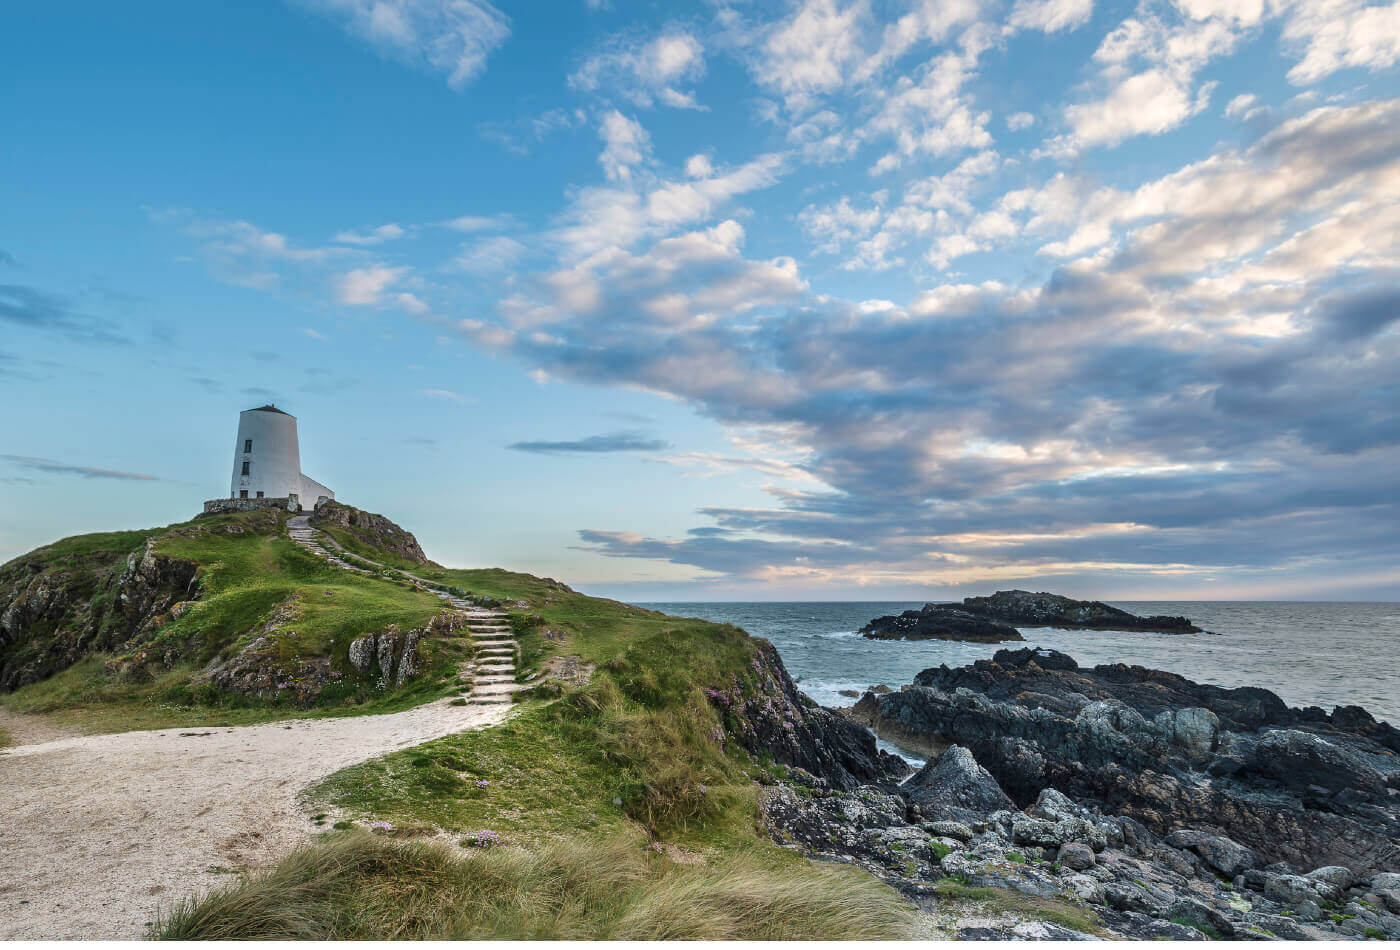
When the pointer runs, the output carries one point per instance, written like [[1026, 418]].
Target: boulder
[[1335, 875], [1290, 890], [1076, 856], [1219, 853], [954, 787], [948, 829], [1194, 730]]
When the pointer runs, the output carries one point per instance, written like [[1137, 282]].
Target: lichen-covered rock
[[955, 788], [1287, 784], [1218, 852], [373, 530], [56, 609]]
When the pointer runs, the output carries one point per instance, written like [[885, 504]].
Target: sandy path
[[100, 831]]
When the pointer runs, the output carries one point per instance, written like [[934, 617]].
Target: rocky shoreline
[[995, 619], [1117, 801]]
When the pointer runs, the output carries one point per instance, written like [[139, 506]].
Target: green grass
[[1022, 906], [6, 739], [249, 572], [358, 886]]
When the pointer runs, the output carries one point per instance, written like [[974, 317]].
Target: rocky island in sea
[[994, 619], [1123, 801]]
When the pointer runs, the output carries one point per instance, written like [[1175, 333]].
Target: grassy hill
[[221, 620], [620, 800]]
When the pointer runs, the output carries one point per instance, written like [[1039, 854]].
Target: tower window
[[243, 493], [260, 494], [245, 466], [247, 445]]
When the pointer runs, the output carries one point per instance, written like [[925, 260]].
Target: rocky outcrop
[[767, 715], [375, 531], [1293, 785], [940, 622], [57, 606], [273, 667], [1061, 868], [1023, 609]]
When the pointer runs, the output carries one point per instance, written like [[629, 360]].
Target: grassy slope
[[593, 788], [245, 577], [587, 786]]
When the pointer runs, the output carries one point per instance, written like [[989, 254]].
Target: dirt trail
[[100, 831]]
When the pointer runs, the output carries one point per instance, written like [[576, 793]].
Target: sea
[[1309, 653]]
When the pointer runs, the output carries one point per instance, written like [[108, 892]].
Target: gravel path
[[100, 831]]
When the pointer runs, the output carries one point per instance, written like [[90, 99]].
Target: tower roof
[[269, 408]]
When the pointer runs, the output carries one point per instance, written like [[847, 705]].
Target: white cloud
[[493, 255], [365, 286], [1341, 34], [1017, 121], [1050, 16], [1241, 104], [625, 144], [813, 51], [1145, 104], [446, 394], [470, 223], [698, 166], [647, 73], [452, 37], [385, 232]]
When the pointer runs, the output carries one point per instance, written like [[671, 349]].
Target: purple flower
[[482, 783], [486, 838], [381, 826], [702, 789]]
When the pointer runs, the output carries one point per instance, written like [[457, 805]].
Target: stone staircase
[[491, 670]]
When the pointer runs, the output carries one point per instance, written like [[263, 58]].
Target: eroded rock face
[[55, 612], [1251, 779], [374, 530], [770, 717]]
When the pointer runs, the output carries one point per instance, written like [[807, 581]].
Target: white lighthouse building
[[267, 461]]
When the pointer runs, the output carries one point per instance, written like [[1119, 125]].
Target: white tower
[[267, 459]]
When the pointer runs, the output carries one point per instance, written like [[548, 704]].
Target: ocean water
[[1320, 654]]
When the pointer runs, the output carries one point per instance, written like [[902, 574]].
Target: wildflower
[[486, 838], [482, 783], [381, 826], [702, 789]]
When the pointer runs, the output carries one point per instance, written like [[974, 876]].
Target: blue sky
[[799, 300]]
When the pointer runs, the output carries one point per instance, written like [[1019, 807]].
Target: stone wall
[[220, 506]]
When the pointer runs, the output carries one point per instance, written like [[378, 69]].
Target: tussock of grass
[[6, 739], [357, 886]]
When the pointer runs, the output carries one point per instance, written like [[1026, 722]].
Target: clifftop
[[354, 529]]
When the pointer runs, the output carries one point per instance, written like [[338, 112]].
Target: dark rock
[[1148, 745], [1201, 916], [1220, 854], [1024, 609], [939, 622], [955, 788], [1076, 856], [776, 720]]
